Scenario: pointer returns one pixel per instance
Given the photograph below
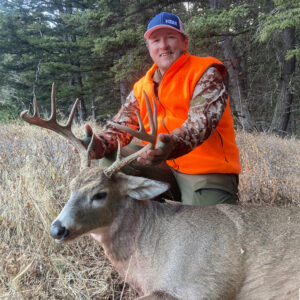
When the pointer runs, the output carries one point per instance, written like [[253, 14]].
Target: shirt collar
[[157, 77]]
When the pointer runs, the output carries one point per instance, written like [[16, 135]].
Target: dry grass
[[271, 169], [36, 167]]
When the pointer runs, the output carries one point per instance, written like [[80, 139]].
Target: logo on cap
[[172, 22], [164, 20]]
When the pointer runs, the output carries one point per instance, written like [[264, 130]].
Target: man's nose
[[164, 44]]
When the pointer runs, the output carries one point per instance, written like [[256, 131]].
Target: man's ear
[[186, 42]]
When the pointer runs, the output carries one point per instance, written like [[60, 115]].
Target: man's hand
[[97, 150], [158, 155]]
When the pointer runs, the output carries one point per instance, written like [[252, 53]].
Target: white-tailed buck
[[171, 251]]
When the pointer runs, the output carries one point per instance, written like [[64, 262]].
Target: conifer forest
[[95, 50]]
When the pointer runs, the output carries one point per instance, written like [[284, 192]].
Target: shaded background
[[95, 50]]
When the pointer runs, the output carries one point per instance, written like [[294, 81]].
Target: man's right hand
[[97, 150], [160, 154]]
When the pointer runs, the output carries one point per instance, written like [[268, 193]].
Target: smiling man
[[195, 127], [165, 47]]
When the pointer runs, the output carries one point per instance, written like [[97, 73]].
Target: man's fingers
[[164, 142], [164, 138], [142, 161], [151, 154], [147, 162], [151, 157]]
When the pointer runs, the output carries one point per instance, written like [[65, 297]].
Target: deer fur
[[173, 251]]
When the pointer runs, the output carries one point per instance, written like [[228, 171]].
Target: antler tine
[[90, 146], [120, 163], [36, 113], [152, 119], [141, 134], [63, 130], [72, 114], [53, 103]]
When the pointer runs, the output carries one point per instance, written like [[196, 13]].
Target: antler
[[141, 134], [63, 130]]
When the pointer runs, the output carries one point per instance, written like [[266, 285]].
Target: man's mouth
[[165, 54]]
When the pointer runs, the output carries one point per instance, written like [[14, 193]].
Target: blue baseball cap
[[164, 20]]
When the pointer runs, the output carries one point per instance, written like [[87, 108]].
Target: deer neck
[[128, 242], [119, 239]]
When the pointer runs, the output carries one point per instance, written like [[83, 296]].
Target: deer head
[[96, 193]]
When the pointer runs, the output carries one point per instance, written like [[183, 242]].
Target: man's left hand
[[164, 147]]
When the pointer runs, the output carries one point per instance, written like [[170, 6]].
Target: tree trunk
[[123, 91], [237, 84], [214, 4], [93, 109], [282, 113], [238, 90]]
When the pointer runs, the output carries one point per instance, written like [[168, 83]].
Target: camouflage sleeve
[[127, 117], [206, 109]]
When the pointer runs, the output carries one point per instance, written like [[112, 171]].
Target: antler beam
[[63, 130], [141, 134]]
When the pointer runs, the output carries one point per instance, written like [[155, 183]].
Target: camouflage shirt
[[206, 108]]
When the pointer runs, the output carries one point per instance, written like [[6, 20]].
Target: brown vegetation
[[36, 167], [271, 169]]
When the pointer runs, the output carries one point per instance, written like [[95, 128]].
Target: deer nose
[[57, 231]]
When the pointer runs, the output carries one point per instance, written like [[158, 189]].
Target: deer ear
[[141, 188]]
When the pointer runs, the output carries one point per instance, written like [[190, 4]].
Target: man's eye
[[99, 196]]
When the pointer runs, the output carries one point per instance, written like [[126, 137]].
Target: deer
[[167, 250]]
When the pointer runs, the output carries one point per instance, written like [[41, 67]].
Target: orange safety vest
[[219, 153]]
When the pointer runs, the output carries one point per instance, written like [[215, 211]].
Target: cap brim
[[149, 32]]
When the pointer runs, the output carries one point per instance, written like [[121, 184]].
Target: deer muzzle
[[57, 231]]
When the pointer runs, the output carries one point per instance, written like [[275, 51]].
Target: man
[[195, 127]]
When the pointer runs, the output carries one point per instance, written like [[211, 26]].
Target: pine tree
[[284, 21]]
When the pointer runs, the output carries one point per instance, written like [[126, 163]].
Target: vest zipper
[[221, 139]]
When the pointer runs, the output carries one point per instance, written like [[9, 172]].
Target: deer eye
[[99, 196]]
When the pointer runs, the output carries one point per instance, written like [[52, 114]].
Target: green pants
[[207, 189], [201, 190]]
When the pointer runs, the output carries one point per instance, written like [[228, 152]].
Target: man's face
[[165, 46]]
